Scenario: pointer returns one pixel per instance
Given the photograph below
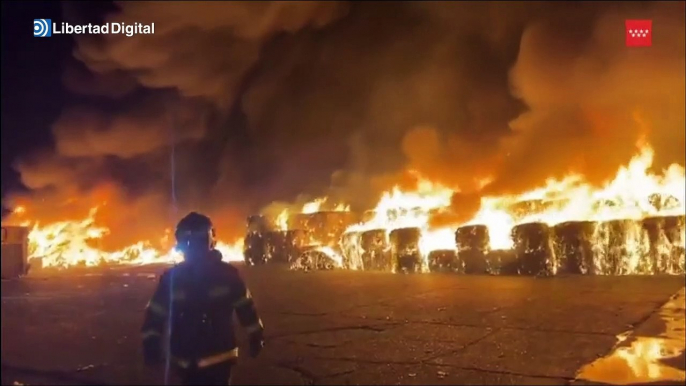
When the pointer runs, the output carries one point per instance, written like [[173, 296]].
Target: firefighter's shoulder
[[228, 273], [228, 269], [171, 271], [221, 265], [167, 273]]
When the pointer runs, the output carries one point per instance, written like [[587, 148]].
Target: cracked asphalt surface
[[338, 327]]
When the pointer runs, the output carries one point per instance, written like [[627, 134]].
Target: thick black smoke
[[270, 101]]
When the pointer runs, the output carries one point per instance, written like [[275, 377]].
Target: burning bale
[[533, 249], [620, 248], [443, 260], [573, 247], [502, 262], [273, 246], [375, 250], [254, 248], [666, 244], [664, 201], [350, 248], [322, 228], [258, 224], [315, 258], [282, 246], [674, 229], [472, 237], [405, 253], [659, 249], [472, 248], [676, 235], [255, 241]]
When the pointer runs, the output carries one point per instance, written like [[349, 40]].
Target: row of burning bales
[[653, 245]]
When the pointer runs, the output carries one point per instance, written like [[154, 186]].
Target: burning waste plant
[[577, 99], [634, 224]]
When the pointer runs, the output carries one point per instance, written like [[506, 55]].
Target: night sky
[[32, 91], [265, 103], [32, 88]]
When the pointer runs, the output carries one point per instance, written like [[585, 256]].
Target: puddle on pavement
[[640, 359]]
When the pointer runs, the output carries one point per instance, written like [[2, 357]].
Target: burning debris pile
[[635, 224], [305, 239], [76, 243]]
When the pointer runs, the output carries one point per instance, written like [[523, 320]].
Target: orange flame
[[71, 243], [315, 206], [633, 194]]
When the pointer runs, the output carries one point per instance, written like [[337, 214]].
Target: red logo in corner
[[639, 33]]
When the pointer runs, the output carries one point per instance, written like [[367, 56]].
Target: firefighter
[[194, 304]]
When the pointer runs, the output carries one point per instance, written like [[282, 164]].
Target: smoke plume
[[229, 107]]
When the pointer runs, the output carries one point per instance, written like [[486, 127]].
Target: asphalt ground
[[343, 327]]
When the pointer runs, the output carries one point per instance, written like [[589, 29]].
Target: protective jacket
[[195, 300]]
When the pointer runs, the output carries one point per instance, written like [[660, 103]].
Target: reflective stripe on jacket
[[208, 361]]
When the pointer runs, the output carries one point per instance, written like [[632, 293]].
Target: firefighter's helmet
[[195, 233]]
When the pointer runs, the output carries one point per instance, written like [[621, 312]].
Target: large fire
[[633, 194], [75, 243]]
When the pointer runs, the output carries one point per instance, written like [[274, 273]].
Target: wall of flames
[[75, 243], [634, 193]]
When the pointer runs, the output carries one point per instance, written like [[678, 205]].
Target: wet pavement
[[344, 327], [653, 351]]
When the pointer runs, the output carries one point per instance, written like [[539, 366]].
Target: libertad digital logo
[[42, 28], [45, 28]]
